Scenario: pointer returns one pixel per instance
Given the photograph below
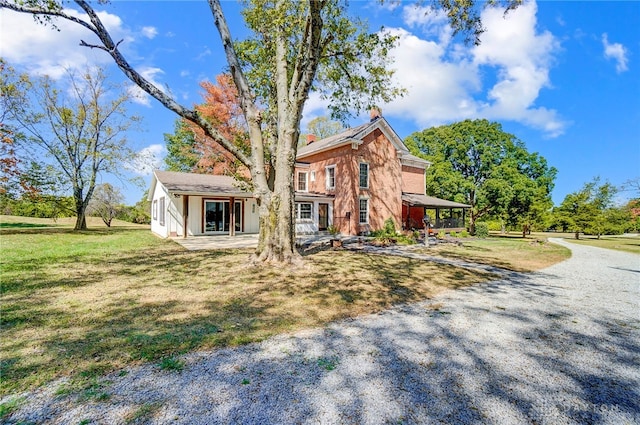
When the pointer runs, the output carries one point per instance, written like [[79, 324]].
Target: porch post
[[232, 216], [464, 221], [185, 215]]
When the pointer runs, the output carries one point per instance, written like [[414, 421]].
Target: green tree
[[294, 47], [477, 163], [586, 210], [323, 127], [80, 129], [182, 154], [105, 203], [140, 213]]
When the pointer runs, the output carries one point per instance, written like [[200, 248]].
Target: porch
[[442, 215]]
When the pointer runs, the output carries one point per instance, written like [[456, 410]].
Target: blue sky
[[564, 77]]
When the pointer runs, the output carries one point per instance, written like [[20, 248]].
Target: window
[[364, 175], [313, 176], [155, 209], [161, 211], [302, 181], [364, 211], [331, 177], [303, 211]]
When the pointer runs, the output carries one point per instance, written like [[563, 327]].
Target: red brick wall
[[385, 182], [413, 180]]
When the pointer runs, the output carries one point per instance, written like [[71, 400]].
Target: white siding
[[251, 217], [161, 230]]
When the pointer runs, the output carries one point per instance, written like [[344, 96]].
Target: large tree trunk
[[276, 242], [81, 210], [81, 221]]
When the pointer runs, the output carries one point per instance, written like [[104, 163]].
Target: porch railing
[[448, 223]]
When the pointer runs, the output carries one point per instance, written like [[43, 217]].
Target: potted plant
[[335, 241]]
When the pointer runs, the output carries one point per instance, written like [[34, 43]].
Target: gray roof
[[199, 183], [335, 140], [416, 200], [356, 134]]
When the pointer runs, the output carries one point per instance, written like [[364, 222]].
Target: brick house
[[354, 181]]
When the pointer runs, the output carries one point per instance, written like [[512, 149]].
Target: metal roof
[[416, 200]]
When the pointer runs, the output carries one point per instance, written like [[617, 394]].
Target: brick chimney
[[311, 138], [375, 113]]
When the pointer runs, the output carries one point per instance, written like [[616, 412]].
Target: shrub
[[389, 227], [441, 235], [453, 234], [464, 234], [482, 230]]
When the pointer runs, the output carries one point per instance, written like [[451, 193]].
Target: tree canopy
[[294, 48], [477, 163], [588, 209], [78, 130]]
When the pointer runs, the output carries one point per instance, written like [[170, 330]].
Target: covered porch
[[443, 215]]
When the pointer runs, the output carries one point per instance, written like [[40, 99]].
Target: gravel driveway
[[558, 346]]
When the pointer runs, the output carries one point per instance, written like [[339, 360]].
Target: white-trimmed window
[[363, 213], [364, 175], [303, 211], [330, 172], [155, 209], [161, 206], [302, 181], [312, 176]]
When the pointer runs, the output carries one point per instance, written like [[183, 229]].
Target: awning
[[415, 200]]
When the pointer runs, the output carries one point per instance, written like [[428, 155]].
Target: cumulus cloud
[[617, 52], [446, 81], [149, 32], [148, 159], [45, 51]]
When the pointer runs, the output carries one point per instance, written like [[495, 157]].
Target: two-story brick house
[[354, 181], [366, 169]]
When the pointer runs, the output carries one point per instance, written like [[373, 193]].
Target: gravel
[[560, 346]]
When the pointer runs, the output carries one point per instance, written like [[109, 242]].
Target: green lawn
[[509, 252], [83, 304], [621, 243]]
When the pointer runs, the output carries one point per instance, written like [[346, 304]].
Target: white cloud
[[140, 96], [617, 52], [148, 159], [314, 107], [45, 51], [445, 80], [431, 21], [149, 32]]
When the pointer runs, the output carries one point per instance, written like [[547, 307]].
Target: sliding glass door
[[217, 216]]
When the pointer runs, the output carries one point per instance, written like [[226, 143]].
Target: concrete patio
[[195, 243]]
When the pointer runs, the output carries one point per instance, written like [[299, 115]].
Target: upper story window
[[364, 175], [331, 177], [302, 181], [155, 209]]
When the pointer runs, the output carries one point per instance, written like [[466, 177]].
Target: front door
[[323, 216]]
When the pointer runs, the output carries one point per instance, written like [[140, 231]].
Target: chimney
[[375, 113], [311, 138]]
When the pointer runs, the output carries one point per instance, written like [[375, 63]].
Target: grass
[[83, 304], [509, 252], [619, 243]]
